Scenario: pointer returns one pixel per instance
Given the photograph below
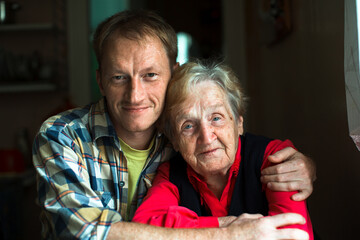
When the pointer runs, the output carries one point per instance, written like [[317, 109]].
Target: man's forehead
[[141, 40], [147, 53]]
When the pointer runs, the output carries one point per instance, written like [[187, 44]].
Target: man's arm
[[295, 172], [244, 228], [161, 206], [72, 207]]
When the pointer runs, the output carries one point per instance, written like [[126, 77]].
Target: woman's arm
[[281, 202], [161, 206]]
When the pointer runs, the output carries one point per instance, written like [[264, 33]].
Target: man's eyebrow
[[150, 69]]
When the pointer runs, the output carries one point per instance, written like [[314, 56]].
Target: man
[[96, 163]]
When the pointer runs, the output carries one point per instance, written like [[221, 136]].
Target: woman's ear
[[176, 147], [241, 125], [174, 142]]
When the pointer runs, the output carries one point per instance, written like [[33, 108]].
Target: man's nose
[[206, 134], [136, 90]]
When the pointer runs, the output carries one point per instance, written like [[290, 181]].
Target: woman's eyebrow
[[183, 117], [192, 116]]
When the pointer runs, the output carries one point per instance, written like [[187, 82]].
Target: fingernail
[[295, 198]]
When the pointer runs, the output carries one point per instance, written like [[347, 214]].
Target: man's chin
[[139, 124], [139, 128]]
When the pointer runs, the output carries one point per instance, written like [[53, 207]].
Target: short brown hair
[[135, 25], [184, 82]]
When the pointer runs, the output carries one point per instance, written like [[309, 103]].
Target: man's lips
[[135, 109]]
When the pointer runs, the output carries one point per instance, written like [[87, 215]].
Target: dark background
[[295, 83]]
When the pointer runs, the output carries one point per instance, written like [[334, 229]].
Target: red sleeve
[[280, 202], [161, 206]]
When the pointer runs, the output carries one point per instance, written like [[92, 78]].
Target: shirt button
[[122, 183]]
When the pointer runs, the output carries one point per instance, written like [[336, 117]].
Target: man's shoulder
[[76, 118]]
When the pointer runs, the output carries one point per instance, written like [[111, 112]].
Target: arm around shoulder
[[293, 171]]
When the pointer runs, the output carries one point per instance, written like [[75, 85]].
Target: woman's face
[[206, 132]]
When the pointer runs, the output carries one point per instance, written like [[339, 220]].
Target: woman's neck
[[217, 183]]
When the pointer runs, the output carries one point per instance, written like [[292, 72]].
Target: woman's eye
[[187, 126], [216, 118]]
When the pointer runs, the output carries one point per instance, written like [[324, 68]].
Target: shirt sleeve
[[281, 202], [73, 208], [161, 206]]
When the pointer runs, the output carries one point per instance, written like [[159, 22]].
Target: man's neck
[[137, 140]]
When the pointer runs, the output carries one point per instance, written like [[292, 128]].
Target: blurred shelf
[[26, 27], [26, 178], [27, 87]]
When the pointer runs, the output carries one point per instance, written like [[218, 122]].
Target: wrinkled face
[[134, 76], [206, 133]]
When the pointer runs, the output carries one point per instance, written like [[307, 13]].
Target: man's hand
[[266, 228], [295, 172]]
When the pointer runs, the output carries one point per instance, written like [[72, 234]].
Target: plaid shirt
[[82, 173]]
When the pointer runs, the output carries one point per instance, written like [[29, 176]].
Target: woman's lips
[[209, 152]]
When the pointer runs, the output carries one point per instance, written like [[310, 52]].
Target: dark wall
[[297, 91], [201, 19]]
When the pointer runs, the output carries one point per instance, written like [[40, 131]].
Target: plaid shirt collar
[[101, 125]]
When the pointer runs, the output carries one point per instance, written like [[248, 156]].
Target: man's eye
[[119, 78], [150, 75]]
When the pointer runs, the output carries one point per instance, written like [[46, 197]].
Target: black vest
[[247, 197]]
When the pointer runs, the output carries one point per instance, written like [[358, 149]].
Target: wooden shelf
[[27, 87], [26, 27]]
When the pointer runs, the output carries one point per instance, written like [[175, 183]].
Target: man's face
[[134, 76], [206, 133]]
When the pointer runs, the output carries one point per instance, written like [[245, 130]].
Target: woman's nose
[[207, 134]]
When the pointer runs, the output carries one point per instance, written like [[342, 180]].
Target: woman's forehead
[[204, 98]]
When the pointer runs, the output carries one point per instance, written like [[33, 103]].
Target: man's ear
[[176, 65], [99, 82], [240, 125]]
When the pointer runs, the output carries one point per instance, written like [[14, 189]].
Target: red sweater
[[161, 205]]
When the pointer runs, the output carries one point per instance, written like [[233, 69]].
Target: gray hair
[[190, 74]]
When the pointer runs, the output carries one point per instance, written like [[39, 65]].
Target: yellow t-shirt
[[136, 160]]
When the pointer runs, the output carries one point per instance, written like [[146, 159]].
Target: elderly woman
[[217, 172]]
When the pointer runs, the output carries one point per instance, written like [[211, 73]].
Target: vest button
[[122, 183]]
